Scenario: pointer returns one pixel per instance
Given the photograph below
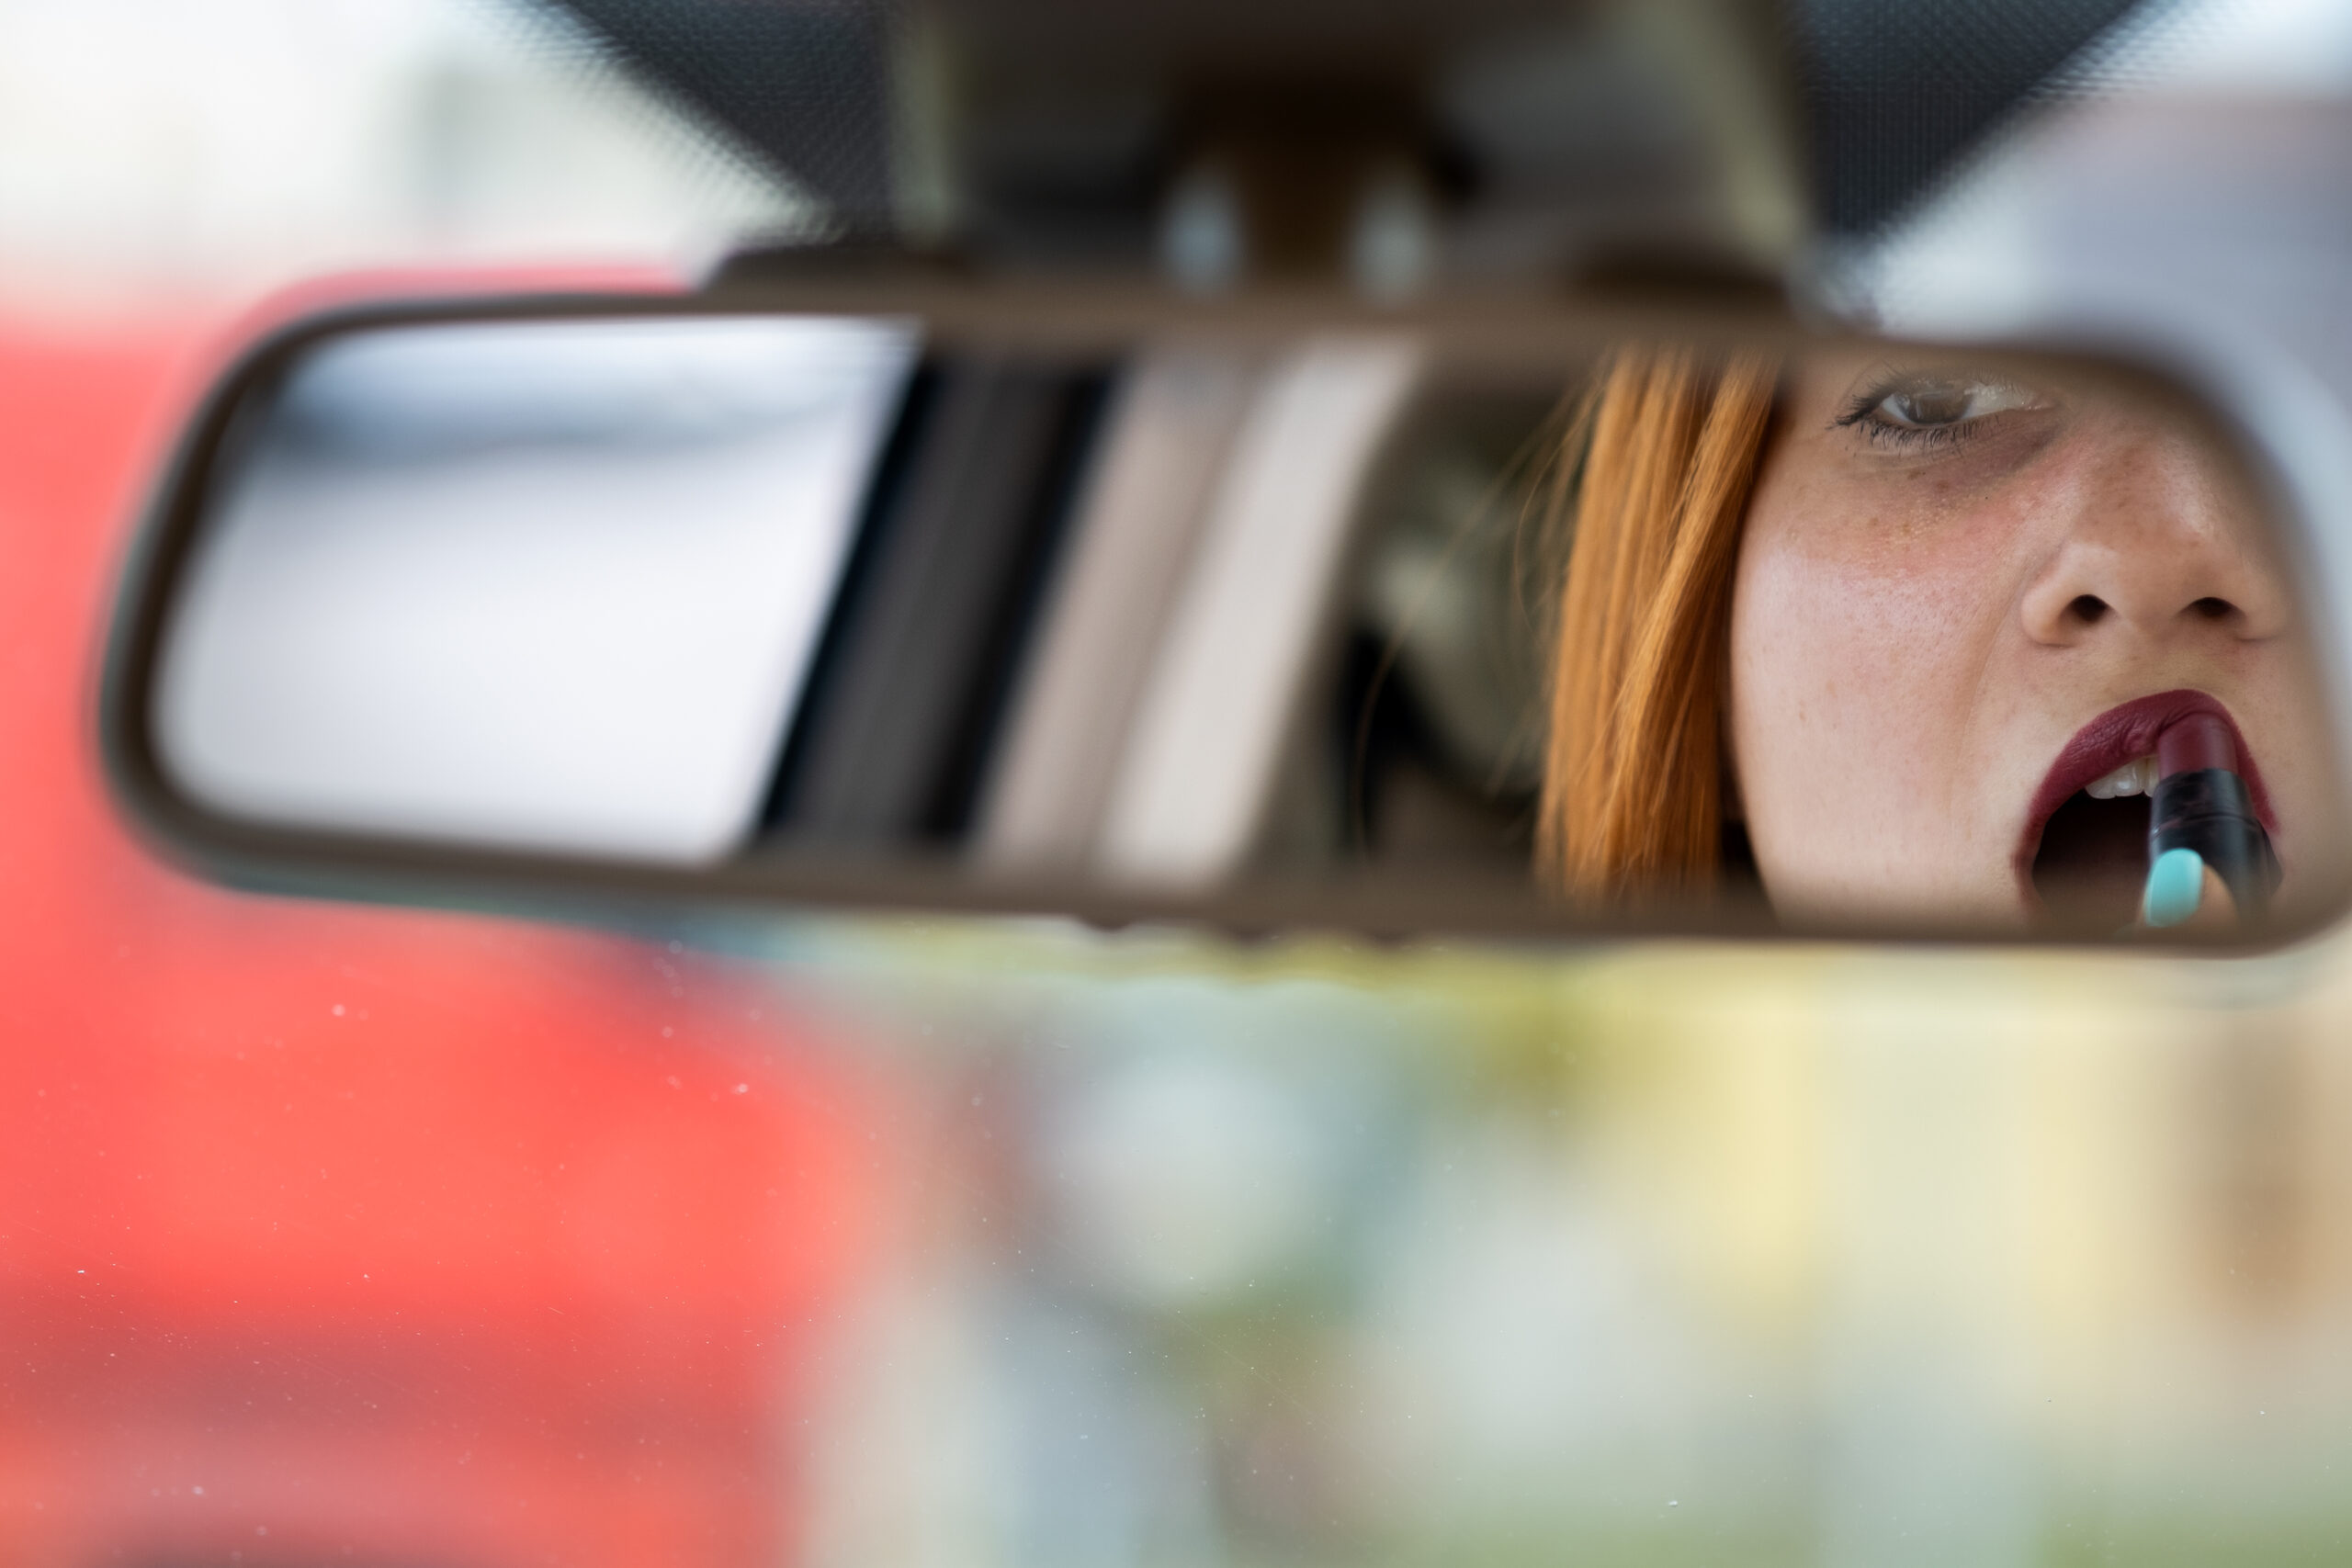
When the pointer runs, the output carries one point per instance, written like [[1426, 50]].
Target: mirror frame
[[1510, 328]]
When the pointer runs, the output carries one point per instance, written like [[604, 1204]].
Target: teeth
[[2137, 777]]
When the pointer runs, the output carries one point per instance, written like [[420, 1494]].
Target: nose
[[2155, 537]]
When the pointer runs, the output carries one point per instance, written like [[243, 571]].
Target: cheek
[[1827, 620], [1860, 644]]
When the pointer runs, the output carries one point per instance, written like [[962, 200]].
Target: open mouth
[[2084, 854]]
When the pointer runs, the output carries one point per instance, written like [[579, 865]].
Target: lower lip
[[2115, 737]]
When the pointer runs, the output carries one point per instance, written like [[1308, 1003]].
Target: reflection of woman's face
[[1948, 584]]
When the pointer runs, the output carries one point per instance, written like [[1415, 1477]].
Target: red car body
[[336, 1233]]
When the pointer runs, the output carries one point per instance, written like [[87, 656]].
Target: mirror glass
[[553, 585], [1834, 634]]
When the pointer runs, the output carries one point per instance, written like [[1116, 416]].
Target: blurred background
[[336, 1233]]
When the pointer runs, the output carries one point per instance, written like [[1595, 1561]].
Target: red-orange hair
[[1654, 478]]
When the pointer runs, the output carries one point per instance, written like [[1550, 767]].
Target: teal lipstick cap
[[2176, 887]]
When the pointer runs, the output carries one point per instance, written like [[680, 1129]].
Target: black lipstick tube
[[2202, 804]]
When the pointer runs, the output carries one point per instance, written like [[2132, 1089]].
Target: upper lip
[[2122, 734]]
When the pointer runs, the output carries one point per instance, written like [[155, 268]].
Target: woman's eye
[[1920, 407]]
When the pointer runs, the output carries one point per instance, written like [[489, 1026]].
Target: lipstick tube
[[2202, 804]]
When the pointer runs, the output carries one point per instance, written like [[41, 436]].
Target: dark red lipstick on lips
[[2202, 804], [2079, 859]]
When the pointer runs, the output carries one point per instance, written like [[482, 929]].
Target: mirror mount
[[1337, 182]]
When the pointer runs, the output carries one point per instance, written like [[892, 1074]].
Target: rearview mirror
[[1483, 618]]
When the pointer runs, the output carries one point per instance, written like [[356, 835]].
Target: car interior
[[965, 781]]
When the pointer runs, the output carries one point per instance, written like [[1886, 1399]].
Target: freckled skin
[[1910, 650]]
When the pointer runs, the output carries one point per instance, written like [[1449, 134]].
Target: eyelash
[[1863, 404]]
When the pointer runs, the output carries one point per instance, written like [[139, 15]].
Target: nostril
[[2088, 607], [2214, 609]]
